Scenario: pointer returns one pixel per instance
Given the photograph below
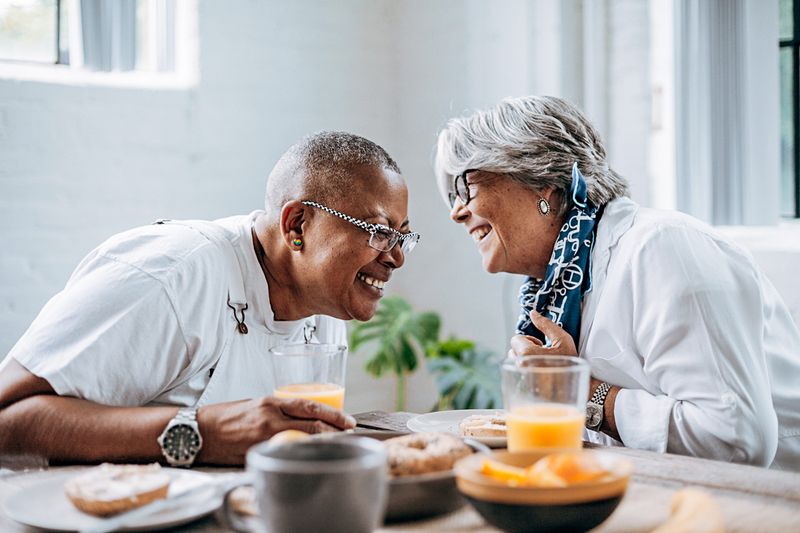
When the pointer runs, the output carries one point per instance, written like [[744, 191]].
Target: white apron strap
[[216, 234]]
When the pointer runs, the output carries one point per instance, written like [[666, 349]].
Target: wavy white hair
[[533, 140]]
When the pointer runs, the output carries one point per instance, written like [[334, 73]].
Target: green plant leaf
[[357, 338], [427, 328], [409, 356], [464, 395], [452, 347], [448, 376], [395, 337], [377, 365], [466, 379], [465, 376]]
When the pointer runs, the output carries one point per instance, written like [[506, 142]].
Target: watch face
[[181, 442], [594, 415]]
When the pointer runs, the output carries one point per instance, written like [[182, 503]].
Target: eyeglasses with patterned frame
[[460, 188], [381, 238]]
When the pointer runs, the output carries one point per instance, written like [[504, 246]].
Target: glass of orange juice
[[545, 401], [310, 371]]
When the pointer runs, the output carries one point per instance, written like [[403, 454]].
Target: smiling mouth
[[372, 282], [478, 234]]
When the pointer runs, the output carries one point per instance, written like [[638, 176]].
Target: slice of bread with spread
[[493, 425], [109, 489]]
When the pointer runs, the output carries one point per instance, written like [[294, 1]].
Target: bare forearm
[[609, 426], [69, 429]]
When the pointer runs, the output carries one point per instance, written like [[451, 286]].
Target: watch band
[[186, 414], [600, 393], [594, 407]]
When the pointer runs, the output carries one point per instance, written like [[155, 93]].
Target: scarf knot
[[568, 277]]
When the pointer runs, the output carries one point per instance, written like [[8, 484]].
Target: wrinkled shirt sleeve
[[698, 326], [111, 336]]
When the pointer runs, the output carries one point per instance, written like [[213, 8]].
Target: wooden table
[[751, 499]]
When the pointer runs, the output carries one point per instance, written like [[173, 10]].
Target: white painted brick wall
[[78, 164]]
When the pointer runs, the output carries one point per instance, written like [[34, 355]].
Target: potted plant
[[466, 376], [400, 336]]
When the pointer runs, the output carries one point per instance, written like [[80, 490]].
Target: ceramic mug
[[333, 485]]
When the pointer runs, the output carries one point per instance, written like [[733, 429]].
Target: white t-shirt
[[143, 318], [705, 351]]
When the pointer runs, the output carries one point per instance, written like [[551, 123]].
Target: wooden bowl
[[578, 507]]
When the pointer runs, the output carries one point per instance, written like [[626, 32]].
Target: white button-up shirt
[[706, 353]]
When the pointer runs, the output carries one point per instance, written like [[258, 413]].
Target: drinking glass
[[310, 371], [545, 401]]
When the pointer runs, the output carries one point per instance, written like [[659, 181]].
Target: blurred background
[[116, 113]]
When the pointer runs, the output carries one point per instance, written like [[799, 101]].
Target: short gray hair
[[533, 140], [322, 167]]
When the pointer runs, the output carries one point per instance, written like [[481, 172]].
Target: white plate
[[43, 504], [448, 421]]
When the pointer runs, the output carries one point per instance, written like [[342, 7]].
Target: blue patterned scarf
[[569, 274]]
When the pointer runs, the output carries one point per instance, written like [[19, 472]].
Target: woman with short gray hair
[[671, 317]]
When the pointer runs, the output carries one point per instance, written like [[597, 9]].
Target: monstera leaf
[[399, 336], [466, 376]]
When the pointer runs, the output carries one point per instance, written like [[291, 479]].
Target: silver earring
[[544, 207]]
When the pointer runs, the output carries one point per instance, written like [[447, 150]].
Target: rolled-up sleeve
[[698, 327]]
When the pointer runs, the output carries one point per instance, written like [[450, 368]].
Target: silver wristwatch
[[181, 441], [594, 407]]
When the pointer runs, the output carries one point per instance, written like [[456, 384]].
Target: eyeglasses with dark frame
[[381, 238], [460, 188]]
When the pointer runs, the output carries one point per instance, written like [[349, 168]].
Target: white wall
[[629, 94], [78, 164], [454, 57], [776, 250]]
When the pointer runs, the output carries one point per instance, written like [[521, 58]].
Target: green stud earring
[[297, 242]]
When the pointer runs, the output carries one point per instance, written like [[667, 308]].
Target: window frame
[[182, 72], [727, 111], [794, 45], [161, 34], [56, 37]]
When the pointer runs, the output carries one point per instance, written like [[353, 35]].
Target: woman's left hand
[[561, 342]]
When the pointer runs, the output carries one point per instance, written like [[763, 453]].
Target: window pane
[[787, 134], [63, 33], [155, 35], [28, 30], [786, 19], [144, 36]]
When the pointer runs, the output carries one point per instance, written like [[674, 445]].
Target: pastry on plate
[[480, 426], [109, 489], [422, 453]]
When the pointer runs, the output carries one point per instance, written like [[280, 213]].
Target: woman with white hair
[[692, 350]]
